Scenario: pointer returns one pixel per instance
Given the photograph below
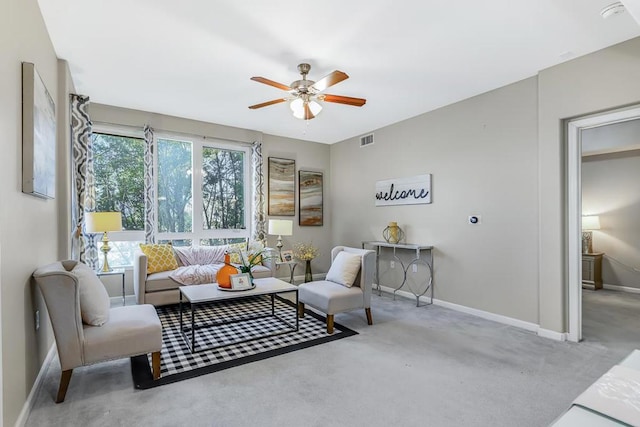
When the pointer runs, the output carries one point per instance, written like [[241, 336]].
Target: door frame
[[574, 205]]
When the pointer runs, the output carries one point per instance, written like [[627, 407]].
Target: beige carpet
[[425, 366]]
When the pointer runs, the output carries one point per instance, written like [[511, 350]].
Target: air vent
[[366, 140]]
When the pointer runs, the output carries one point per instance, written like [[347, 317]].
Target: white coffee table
[[201, 294]]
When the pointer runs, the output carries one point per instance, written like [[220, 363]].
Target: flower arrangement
[[253, 255], [305, 252]]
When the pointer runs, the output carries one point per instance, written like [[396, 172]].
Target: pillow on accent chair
[[344, 269], [160, 257], [94, 300]]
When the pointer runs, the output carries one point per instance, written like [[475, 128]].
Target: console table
[[417, 260]]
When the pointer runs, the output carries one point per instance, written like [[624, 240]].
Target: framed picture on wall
[[310, 196], [281, 187], [38, 135], [287, 256]]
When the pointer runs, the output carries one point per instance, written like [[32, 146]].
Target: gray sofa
[[160, 289]]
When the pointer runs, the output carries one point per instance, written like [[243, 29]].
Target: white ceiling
[[194, 58]]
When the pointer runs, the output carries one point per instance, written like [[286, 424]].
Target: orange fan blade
[[266, 104], [356, 102], [271, 83], [330, 80], [308, 115]]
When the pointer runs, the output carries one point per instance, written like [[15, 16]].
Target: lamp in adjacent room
[[591, 222], [280, 227], [103, 222]]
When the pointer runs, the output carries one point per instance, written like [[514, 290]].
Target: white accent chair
[[332, 298], [129, 331]]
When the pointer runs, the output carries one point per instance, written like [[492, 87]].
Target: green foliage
[[118, 164], [174, 186], [223, 189], [119, 184]]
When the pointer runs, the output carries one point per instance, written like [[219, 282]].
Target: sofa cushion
[[160, 257], [200, 255], [160, 282], [94, 300], [344, 268]]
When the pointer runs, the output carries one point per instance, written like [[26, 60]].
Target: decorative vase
[[308, 277], [223, 277], [393, 233]]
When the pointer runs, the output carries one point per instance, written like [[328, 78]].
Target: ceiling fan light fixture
[[297, 106]]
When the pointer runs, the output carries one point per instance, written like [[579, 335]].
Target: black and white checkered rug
[[179, 363]]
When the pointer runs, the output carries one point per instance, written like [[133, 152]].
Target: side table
[[292, 267], [114, 272], [592, 270]]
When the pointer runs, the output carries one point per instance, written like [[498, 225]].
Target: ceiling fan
[[304, 93]]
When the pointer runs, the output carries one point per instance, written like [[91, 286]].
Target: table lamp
[[280, 227], [589, 223], [103, 222]]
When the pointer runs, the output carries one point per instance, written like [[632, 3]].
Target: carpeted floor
[[426, 366]]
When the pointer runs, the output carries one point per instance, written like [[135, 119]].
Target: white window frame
[[198, 232]]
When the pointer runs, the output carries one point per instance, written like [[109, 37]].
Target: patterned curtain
[[259, 217], [150, 220], [83, 245]]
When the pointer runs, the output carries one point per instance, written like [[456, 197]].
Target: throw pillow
[[160, 257], [344, 269], [234, 252], [94, 300]]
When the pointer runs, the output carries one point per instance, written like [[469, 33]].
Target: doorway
[[574, 206]]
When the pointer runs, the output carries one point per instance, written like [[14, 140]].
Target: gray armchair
[[331, 298], [129, 331]]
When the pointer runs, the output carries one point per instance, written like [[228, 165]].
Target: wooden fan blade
[[271, 83], [356, 102], [330, 80], [266, 104], [308, 115]]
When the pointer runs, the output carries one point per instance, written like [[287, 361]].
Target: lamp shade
[[280, 227], [100, 222], [591, 222]]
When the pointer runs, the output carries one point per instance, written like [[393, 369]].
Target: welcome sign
[[404, 191]]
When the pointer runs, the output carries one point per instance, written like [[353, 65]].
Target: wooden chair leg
[[329, 324], [64, 385], [369, 318], [155, 361], [301, 310]]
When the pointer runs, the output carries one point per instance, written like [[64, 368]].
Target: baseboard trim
[[556, 336], [37, 384], [528, 326], [622, 288]]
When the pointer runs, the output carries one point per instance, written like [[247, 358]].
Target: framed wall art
[[38, 135], [310, 194], [281, 187]]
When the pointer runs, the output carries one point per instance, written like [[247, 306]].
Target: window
[[118, 164], [202, 189]]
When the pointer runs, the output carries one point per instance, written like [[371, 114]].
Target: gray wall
[[309, 156], [610, 189], [601, 81], [28, 225], [482, 154]]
